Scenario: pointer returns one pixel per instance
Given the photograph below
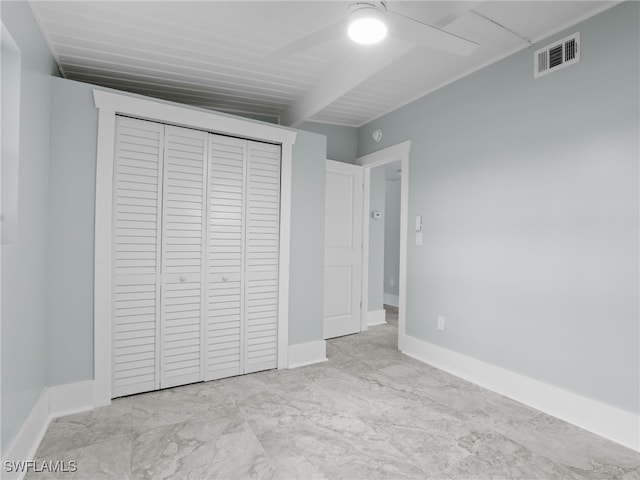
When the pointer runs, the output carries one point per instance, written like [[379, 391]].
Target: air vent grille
[[557, 55], [570, 49]]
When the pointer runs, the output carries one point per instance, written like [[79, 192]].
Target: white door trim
[[387, 155], [108, 105], [366, 208]]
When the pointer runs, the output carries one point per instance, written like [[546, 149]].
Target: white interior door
[[136, 256], [242, 286], [196, 256], [343, 249], [225, 276], [262, 256], [183, 252]]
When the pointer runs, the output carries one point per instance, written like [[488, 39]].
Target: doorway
[[384, 242], [391, 272], [392, 162]]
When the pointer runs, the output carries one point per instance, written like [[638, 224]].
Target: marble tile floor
[[368, 413]]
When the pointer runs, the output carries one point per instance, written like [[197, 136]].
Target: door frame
[[111, 104], [399, 152]]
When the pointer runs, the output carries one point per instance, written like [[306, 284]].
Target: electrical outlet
[[392, 282], [441, 323]]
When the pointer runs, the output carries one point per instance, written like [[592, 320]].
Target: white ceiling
[[215, 54]]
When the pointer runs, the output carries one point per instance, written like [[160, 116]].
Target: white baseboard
[[376, 317], [53, 402], [70, 398], [27, 440], [391, 299], [303, 354], [605, 420]]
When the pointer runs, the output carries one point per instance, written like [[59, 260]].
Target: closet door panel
[[136, 256], [183, 256], [262, 250], [195, 256], [225, 256]]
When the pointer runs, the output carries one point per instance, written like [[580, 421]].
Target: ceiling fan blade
[[310, 40], [423, 34]]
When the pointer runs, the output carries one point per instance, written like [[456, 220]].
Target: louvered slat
[[183, 240], [136, 259], [262, 250], [225, 256]]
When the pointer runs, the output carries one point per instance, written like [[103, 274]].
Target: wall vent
[[558, 55]]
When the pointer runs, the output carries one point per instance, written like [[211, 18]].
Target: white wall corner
[[53, 402], [308, 353], [376, 317], [602, 419]]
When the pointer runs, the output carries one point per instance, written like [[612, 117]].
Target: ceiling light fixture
[[367, 23]]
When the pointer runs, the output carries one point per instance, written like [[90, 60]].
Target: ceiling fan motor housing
[[379, 6]]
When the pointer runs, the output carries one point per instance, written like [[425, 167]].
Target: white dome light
[[366, 26]]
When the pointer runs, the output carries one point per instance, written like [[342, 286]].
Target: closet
[[195, 256]]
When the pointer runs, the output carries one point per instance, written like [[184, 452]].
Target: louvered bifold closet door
[[136, 255], [262, 247], [183, 256], [225, 257]]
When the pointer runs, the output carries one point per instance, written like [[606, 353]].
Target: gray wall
[[70, 252], [376, 239], [72, 182], [24, 261], [342, 142], [306, 293], [392, 239], [529, 194]]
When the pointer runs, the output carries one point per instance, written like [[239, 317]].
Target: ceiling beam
[[458, 9], [350, 71], [436, 14]]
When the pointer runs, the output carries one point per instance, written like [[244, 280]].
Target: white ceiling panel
[[224, 55], [529, 18], [492, 37]]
